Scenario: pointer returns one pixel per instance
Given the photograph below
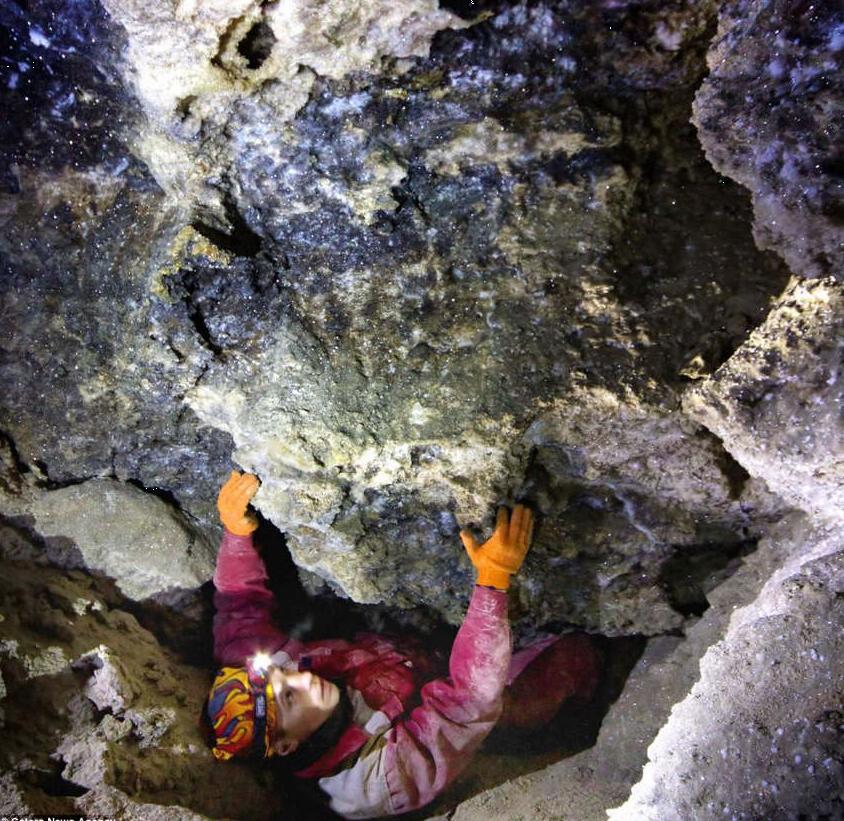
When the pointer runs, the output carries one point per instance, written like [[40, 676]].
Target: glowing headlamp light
[[261, 662], [257, 668]]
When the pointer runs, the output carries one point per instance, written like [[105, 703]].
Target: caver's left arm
[[415, 760], [244, 622]]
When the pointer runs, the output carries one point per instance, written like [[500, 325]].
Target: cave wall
[[407, 265], [758, 734], [404, 280]]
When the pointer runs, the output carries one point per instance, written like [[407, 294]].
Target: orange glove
[[502, 555], [233, 500]]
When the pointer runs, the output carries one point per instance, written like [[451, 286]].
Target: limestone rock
[[194, 63], [769, 115], [408, 267], [11, 799], [83, 749], [378, 277], [109, 802], [129, 535], [760, 734], [104, 688], [777, 402], [119, 720]]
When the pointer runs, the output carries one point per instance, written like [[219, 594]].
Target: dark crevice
[[471, 9], [198, 379], [734, 473], [223, 43], [162, 493], [20, 466], [184, 105], [197, 319], [693, 571], [180, 357], [58, 484], [51, 782], [257, 45], [241, 240], [187, 632]]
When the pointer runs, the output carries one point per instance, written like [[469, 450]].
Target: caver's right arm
[[243, 623]]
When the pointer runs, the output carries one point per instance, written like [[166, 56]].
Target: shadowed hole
[[257, 45]]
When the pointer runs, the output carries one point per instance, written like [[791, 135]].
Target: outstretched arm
[[243, 623], [420, 756]]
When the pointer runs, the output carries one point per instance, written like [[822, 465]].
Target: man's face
[[304, 702]]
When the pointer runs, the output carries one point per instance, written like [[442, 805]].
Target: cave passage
[[410, 264]]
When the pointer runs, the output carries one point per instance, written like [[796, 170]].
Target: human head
[[303, 702], [284, 707]]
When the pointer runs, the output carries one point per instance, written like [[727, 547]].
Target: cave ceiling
[[406, 265]]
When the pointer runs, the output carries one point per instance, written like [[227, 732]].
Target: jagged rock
[[108, 802], [119, 720], [768, 745], [769, 115], [104, 688], [406, 275], [83, 750], [11, 798], [448, 266], [194, 64], [777, 403], [131, 536]]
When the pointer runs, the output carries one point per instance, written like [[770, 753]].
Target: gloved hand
[[502, 555], [233, 500]]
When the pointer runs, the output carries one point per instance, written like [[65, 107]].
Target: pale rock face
[[419, 278], [408, 269], [11, 798], [118, 721], [83, 749], [777, 402], [109, 802], [767, 704], [622, 485], [105, 688], [420, 261], [769, 116], [131, 536], [193, 62]]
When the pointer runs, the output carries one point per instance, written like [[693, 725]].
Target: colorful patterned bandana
[[231, 708]]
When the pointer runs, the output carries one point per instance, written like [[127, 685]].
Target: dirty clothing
[[410, 737]]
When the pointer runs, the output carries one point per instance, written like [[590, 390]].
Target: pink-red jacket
[[392, 759]]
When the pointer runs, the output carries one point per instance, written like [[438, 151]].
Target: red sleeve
[[433, 745], [243, 623]]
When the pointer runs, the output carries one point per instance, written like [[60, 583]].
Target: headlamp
[[256, 669], [261, 662]]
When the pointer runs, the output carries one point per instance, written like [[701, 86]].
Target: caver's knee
[[568, 669]]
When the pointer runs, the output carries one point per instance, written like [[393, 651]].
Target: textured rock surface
[[192, 64], [87, 388], [130, 536], [407, 268], [769, 115], [777, 403], [769, 746], [377, 298], [114, 725]]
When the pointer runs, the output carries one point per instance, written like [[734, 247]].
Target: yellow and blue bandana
[[234, 707]]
